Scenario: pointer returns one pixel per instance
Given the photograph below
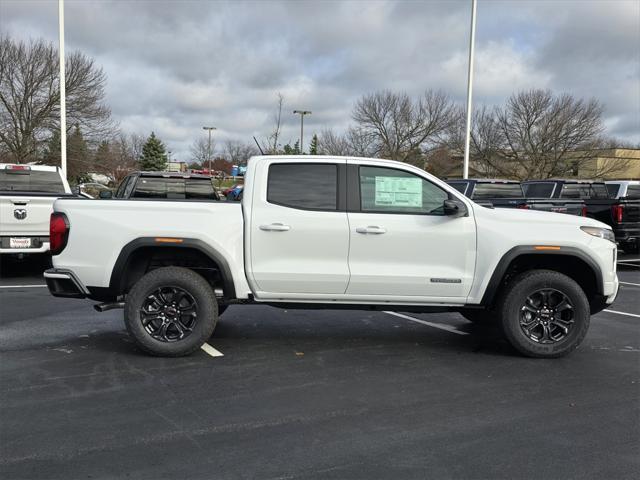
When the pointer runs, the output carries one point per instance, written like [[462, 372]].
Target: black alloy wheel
[[169, 314]]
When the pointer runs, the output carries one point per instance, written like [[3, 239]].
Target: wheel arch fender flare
[[493, 287], [117, 282]]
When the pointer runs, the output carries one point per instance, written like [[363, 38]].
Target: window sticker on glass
[[398, 192]]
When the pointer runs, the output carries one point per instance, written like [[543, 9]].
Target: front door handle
[[275, 227], [371, 229]]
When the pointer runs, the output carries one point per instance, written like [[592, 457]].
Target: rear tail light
[[584, 210], [58, 232], [616, 213], [523, 206]]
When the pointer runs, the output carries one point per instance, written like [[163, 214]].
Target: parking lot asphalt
[[311, 394]]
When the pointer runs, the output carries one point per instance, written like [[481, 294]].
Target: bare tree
[[354, 142], [545, 135], [30, 95], [398, 127], [238, 152], [271, 144], [116, 158], [199, 151]]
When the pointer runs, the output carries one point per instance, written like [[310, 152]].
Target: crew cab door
[[298, 232], [402, 243]]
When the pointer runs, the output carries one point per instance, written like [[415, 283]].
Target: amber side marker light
[[546, 247], [168, 240]]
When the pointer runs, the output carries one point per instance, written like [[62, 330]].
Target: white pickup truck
[[27, 193], [337, 232]]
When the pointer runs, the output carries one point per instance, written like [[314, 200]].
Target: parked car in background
[[509, 194], [165, 185], [335, 232], [594, 194], [236, 193], [622, 214], [27, 193], [227, 191], [623, 188], [626, 213]]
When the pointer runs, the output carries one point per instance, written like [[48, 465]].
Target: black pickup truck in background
[[622, 214], [164, 185], [509, 194]]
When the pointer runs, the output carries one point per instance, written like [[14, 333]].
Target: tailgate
[[21, 215], [630, 210]]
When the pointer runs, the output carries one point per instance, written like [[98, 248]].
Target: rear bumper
[[64, 283], [38, 244]]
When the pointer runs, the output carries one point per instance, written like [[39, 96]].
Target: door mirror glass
[[455, 208]]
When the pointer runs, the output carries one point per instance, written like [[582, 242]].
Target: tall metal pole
[[467, 138], [63, 93], [210, 129], [302, 113]]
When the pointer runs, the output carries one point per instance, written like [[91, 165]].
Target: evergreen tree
[[313, 147], [78, 161], [154, 155], [51, 153]]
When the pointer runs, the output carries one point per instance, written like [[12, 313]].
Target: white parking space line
[[629, 283], [22, 286], [441, 326], [629, 264], [629, 260], [211, 351], [622, 313]]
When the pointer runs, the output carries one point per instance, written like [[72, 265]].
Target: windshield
[[31, 181], [497, 190], [459, 186], [613, 189]]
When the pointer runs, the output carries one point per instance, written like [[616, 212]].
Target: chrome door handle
[[275, 227], [371, 229]]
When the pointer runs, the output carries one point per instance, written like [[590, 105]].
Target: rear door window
[[305, 186]]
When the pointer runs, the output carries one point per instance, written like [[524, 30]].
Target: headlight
[[604, 233]]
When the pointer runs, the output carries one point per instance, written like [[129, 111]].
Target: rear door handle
[[275, 227], [371, 229]]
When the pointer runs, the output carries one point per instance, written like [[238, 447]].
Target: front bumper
[[64, 283]]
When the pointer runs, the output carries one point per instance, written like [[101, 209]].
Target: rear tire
[[171, 312], [544, 314]]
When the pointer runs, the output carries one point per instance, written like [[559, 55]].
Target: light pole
[[302, 113], [63, 100], [467, 137], [210, 129]]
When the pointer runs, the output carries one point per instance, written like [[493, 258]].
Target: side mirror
[[455, 208], [104, 194]]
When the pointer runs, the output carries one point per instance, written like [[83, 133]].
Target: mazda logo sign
[[20, 213]]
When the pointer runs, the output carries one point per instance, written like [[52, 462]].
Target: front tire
[[171, 312], [544, 314]]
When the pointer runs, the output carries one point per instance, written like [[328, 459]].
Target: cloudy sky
[[174, 66]]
